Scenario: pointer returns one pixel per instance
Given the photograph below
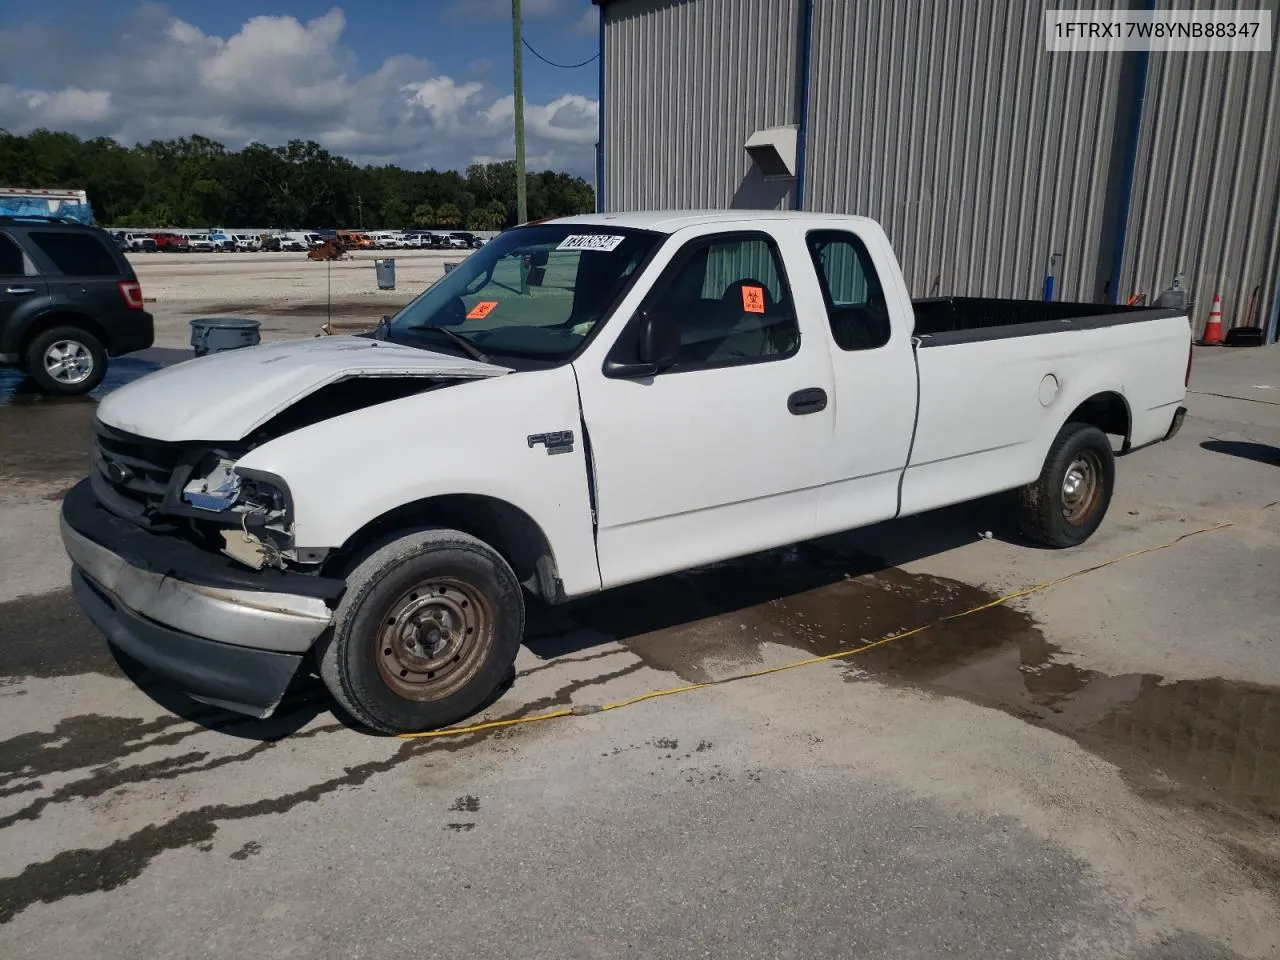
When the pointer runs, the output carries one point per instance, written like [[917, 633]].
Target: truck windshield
[[534, 292]]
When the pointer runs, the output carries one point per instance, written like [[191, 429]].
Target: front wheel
[[1066, 504], [65, 361], [426, 633]]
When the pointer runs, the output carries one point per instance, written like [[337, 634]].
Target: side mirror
[[657, 344], [659, 340]]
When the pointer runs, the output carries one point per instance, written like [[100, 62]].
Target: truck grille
[[130, 474]]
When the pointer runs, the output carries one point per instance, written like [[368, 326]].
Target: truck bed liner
[[947, 320]]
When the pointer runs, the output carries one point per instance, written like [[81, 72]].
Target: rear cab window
[[856, 307], [76, 254]]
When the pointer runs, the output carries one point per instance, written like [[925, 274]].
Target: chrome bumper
[[280, 622]]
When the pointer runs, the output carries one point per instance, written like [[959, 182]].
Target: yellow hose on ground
[[586, 709]]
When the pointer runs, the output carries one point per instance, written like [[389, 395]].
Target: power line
[[562, 66]]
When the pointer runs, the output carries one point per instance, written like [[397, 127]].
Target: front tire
[[65, 361], [1067, 503], [426, 633]]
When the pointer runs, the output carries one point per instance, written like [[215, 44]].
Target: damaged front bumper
[[224, 635]]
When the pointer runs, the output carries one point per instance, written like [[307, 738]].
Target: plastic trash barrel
[[386, 269], [450, 264], [216, 334]]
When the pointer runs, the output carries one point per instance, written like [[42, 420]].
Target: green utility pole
[[522, 206]]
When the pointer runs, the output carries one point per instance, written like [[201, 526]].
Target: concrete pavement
[[1093, 771]]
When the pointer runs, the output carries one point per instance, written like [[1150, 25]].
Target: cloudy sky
[[421, 83]]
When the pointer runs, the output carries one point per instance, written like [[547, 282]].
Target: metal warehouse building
[[983, 155]]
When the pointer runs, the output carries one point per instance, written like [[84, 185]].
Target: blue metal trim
[[802, 127], [1130, 167], [600, 124]]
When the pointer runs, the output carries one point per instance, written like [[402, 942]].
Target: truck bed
[[942, 320]]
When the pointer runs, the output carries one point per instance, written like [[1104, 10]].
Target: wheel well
[[506, 528], [47, 321], [1109, 412]]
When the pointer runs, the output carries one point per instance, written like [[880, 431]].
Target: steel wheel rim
[[434, 639], [68, 361], [1081, 488]]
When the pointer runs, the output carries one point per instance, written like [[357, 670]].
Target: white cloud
[[275, 79], [587, 25]]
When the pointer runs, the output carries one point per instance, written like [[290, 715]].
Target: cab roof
[[669, 221]]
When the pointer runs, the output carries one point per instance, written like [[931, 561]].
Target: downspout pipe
[[802, 127], [1130, 167]]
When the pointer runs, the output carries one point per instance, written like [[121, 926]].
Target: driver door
[[721, 453]]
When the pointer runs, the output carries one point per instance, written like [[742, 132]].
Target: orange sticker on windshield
[[753, 299], [482, 309]]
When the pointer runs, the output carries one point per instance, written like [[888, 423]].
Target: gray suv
[[68, 300]]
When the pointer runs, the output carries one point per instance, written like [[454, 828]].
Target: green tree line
[[197, 182]]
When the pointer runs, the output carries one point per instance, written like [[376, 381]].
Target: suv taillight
[[131, 290]]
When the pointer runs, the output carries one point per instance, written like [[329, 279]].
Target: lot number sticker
[[482, 309], [590, 241], [753, 299]]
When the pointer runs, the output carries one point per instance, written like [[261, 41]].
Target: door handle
[[18, 291], [812, 400]]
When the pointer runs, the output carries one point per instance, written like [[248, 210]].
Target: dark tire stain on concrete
[[467, 804], [47, 636], [460, 827], [77, 872], [250, 849], [83, 871]]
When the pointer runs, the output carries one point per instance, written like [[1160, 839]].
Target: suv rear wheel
[[65, 361]]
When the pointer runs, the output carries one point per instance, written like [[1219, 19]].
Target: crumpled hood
[[224, 396]]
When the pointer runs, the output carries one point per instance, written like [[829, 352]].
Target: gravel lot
[[1093, 771], [290, 294]]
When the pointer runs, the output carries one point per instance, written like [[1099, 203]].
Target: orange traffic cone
[[1213, 329]]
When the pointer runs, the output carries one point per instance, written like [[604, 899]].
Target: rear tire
[[65, 361], [426, 633], [1068, 502]]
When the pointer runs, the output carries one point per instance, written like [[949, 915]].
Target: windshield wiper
[[471, 350]]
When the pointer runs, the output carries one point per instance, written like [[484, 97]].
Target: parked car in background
[[246, 242], [171, 242], [455, 242], [140, 243], [355, 240], [299, 241], [400, 570], [201, 243], [469, 239], [69, 299], [222, 242]]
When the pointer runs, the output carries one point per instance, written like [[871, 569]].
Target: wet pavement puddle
[[1211, 742], [46, 438]]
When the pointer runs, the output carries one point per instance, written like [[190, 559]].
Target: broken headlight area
[[252, 511]]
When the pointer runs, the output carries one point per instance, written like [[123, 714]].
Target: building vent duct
[[773, 150]]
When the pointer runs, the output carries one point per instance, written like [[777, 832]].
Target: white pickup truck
[[581, 403]]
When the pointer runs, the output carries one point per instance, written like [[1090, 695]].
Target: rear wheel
[[65, 361], [1067, 503], [426, 633]]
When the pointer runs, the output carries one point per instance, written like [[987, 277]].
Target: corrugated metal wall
[[1206, 200], [979, 152], [687, 82]]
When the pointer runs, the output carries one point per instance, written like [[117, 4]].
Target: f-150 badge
[[561, 441]]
